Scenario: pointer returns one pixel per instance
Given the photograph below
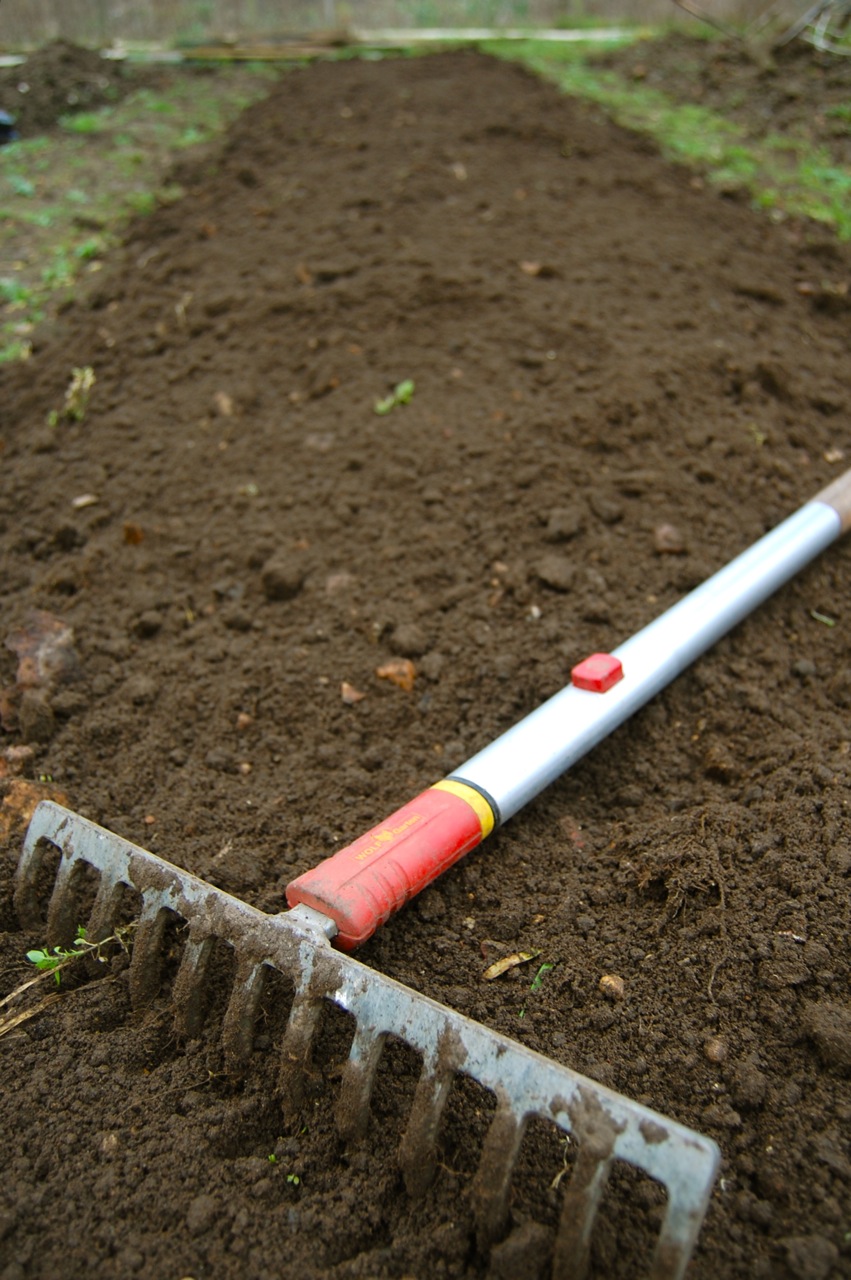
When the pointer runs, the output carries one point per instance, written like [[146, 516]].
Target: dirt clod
[[828, 1025], [282, 577]]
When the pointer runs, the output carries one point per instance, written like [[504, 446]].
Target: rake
[[348, 896]]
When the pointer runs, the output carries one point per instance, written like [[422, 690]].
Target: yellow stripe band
[[473, 798]]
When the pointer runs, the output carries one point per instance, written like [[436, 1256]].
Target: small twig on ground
[[12, 1020], [718, 871]]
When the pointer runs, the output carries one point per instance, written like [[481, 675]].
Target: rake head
[[604, 1127]]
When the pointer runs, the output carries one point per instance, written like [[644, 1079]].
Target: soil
[[622, 380]]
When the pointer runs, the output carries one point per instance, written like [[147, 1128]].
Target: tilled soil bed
[[237, 542]]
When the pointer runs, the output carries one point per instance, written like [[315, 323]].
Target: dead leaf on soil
[[45, 649], [133, 533], [502, 965], [350, 695], [20, 801], [399, 671]]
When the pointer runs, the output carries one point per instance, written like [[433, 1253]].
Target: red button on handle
[[597, 673]]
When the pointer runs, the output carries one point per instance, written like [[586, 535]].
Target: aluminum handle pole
[[528, 757]]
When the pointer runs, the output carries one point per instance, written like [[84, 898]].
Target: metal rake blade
[[604, 1126]]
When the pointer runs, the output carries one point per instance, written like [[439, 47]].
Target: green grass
[[66, 197], [782, 174]]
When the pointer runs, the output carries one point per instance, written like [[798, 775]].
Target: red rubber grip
[[362, 885]]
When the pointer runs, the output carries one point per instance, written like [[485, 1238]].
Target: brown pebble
[[715, 1050], [668, 540], [222, 405], [612, 986]]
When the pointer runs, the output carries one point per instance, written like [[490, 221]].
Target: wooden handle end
[[838, 495]]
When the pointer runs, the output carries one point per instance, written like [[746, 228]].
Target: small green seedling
[[402, 393], [540, 975], [272, 1158], [537, 981], [53, 960], [293, 1179], [48, 961]]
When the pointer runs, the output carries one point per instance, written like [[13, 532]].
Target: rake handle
[[362, 885], [838, 495]]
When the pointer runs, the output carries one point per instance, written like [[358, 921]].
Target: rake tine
[[32, 856], [238, 1028], [62, 911], [296, 1047], [352, 1111], [418, 1149], [105, 908], [596, 1134], [146, 965], [687, 1203], [579, 1207], [188, 994], [492, 1182]]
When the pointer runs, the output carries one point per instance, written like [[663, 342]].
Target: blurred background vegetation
[[27, 23]]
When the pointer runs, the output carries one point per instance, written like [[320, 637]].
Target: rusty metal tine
[[688, 1200], [146, 964], [579, 1207], [352, 1111], [188, 993], [102, 916], [492, 1182], [296, 1048], [62, 910], [238, 1028], [418, 1149], [32, 856]]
